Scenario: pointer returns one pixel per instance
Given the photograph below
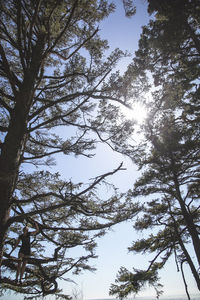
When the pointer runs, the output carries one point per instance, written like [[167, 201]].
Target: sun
[[138, 112]]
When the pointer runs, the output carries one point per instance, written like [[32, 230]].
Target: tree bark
[[12, 149], [14, 144], [189, 223], [187, 256]]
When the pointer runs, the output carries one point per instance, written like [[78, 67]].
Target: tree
[[169, 156], [172, 177], [55, 77]]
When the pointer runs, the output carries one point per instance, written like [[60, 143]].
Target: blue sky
[[112, 250]]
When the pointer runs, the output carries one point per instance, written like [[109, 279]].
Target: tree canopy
[[168, 56], [56, 79]]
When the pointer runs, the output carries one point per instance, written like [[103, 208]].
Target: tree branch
[[98, 179], [64, 29], [6, 68], [4, 104], [3, 129]]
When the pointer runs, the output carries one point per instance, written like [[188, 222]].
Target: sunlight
[[137, 113]]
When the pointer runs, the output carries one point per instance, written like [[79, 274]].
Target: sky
[[112, 250]]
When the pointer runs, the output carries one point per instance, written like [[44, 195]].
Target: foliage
[[169, 56], [129, 282], [58, 94]]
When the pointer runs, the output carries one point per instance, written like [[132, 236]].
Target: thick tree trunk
[[15, 140], [11, 151]]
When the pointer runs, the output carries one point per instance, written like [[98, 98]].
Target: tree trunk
[[187, 256], [15, 140], [189, 221], [11, 152], [4, 216]]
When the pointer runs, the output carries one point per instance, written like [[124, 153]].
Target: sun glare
[[137, 113]]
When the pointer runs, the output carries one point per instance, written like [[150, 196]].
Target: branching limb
[[63, 204]]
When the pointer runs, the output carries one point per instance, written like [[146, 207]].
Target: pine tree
[[168, 56], [54, 76]]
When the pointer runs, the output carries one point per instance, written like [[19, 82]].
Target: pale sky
[[112, 250]]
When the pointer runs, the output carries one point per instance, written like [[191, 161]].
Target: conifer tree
[[168, 57], [55, 78]]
